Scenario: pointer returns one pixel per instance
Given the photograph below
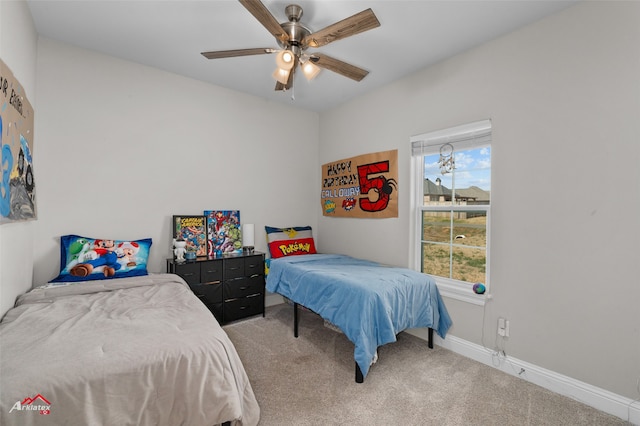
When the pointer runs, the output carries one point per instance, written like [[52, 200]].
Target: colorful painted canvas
[[17, 185], [223, 232], [193, 230]]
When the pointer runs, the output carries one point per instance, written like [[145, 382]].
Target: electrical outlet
[[503, 327]]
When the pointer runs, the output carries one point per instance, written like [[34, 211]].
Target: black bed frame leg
[[359, 376], [430, 338], [295, 320]]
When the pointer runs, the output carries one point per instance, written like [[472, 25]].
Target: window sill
[[460, 290]]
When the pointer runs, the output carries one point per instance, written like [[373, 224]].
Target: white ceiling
[[171, 34]]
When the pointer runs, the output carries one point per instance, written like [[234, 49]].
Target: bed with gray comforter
[[131, 351]]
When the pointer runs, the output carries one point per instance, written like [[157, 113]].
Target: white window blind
[[461, 137]]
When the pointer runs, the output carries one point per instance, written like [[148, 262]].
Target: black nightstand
[[232, 287]]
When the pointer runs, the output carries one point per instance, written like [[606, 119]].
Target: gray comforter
[[131, 351]]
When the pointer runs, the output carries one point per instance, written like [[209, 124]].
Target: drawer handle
[[244, 288], [212, 283], [234, 268], [188, 274], [211, 271]]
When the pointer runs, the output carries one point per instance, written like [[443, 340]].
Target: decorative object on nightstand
[[232, 287], [179, 249], [191, 253], [248, 234], [192, 229], [223, 232]]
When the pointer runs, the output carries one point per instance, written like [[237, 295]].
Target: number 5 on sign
[[380, 185]]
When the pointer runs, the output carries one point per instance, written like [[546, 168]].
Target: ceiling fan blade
[[363, 21], [238, 52], [340, 67], [262, 14]]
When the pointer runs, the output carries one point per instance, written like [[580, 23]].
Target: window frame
[[448, 287]]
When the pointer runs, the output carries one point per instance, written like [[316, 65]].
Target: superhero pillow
[[85, 259], [294, 241]]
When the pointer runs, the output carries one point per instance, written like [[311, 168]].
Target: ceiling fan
[[294, 38]]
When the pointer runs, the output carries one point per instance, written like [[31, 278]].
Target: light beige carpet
[[310, 381]]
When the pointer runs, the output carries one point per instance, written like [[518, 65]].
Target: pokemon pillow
[[85, 259], [290, 241]]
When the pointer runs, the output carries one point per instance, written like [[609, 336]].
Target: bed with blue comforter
[[370, 302]]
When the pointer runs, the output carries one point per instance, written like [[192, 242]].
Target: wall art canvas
[[17, 184], [192, 229], [365, 186], [223, 232]]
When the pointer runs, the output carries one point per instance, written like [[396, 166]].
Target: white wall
[[564, 98], [123, 147], [18, 40]]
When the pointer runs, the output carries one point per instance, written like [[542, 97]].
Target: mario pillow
[[293, 241], [85, 259]]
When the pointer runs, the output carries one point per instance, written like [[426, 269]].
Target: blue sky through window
[[473, 168]]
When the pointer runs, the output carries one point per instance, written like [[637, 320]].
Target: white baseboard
[[601, 399]]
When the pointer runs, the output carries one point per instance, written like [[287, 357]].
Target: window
[[451, 206]]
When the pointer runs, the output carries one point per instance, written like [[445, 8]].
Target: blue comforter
[[370, 302]]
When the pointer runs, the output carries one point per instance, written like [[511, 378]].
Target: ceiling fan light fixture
[[310, 70], [285, 59], [293, 39], [281, 75]]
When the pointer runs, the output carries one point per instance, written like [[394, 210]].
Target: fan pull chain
[[293, 88]]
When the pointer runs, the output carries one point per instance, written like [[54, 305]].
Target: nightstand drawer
[[190, 272], [216, 310], [208, 293], [253, 265], [211, 271], [243, 287], [233, 268], [241, 308]]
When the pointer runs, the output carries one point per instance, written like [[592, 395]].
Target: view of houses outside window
[[454, 213]]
